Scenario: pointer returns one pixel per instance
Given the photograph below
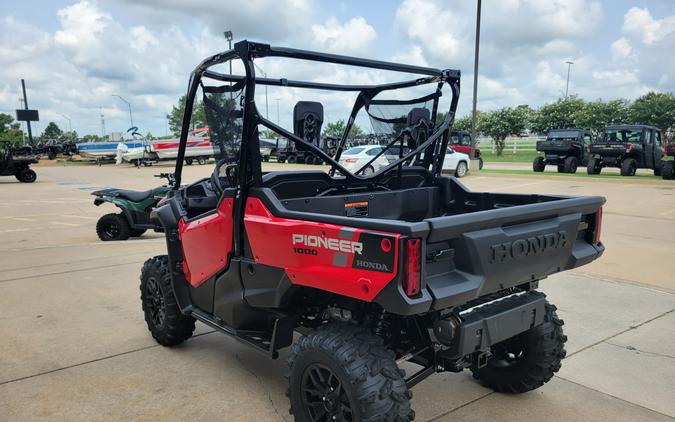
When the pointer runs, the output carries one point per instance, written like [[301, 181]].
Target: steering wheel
[[230, 173]]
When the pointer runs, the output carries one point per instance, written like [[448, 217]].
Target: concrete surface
[[75, 347]]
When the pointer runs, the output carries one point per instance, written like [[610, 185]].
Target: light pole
[[267, 108], [131, 118], [277, 100], [70, 126], [475, 82], [229, 36], [567, 86]]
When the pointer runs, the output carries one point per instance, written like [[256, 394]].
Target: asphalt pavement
[[75, 346]]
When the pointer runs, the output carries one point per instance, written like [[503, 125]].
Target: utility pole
[[474, 138], [70, 126], [277, 100], [567, 86], [25, 104], [102, 124], [131, 118]]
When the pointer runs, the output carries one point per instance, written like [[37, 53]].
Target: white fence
[[512, 144]]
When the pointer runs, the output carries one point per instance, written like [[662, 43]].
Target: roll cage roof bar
[[249, 157]]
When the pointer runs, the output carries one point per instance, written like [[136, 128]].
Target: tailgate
[[610, 149], [474, 254]]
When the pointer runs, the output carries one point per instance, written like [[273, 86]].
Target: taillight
[[351, 160], [598, 226], [413, 267], [629, 147]]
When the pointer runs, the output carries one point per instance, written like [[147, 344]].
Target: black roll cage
[[249, 160]]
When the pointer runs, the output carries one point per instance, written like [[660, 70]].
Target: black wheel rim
[[324, 398], [155, 301], [112, 230]]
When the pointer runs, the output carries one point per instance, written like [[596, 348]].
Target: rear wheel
[[628, 167], [480, 163], [168, 325], [668, 170], [539, 164], [594, 166], [318, 161], [291, 159], [658, 168], [343, 372], [113, 227], [461, 169], [51, 154], [309, 159], [368, 171], [281, 159], [26, 176], [188, 161], [571, 164], [527, 361]]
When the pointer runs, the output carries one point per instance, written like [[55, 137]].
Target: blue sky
[[76, 54]]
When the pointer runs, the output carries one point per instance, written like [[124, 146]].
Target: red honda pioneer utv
[[371, 270]]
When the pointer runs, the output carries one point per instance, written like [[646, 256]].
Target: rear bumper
[[476, 329]]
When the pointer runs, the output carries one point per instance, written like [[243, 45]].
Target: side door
[[586, 145], [206, 241], [658, 147], [648, 148]]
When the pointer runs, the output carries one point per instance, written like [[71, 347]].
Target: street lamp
[[229, 36], [70, 126], [475, 82], [277, 100], [131, 119], [567, 86]]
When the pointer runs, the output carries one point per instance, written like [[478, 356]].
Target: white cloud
[[621, 49], [641, 23], [355, 36]]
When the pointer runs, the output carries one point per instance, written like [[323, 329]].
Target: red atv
[[460, 141], [371, 270]]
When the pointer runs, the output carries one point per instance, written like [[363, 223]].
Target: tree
[[9, 130], [462, 123], [175, 116], [69, 136], [336, 128], [562, 114], [52, 131], [501, 123], [92, 138], [598, 114], [656, 109], [149, 136]]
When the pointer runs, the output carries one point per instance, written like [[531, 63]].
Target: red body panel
[[206, 243], [463, 149], [283, 243]]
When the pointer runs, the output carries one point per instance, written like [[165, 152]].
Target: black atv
[[565, 148], [628, 147], [12, 164]]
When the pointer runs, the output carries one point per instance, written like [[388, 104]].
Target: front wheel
[[188, 161], [539, 164], [571, 164], [26, 176], [201, 161], [461, 169], [113, 227], [594, 166], [480, 163], [668, 170], [527, 361], [628, 167], [168, 325], [368, 171], [343, 372]]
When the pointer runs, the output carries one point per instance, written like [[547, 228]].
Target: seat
[[133, 195]]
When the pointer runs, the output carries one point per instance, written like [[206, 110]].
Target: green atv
[[134, 219]]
